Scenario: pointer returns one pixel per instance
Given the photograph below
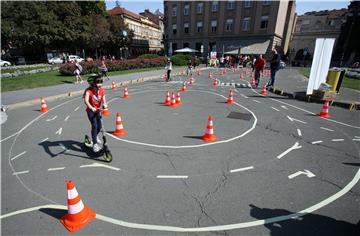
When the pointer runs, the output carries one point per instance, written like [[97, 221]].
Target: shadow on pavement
[[193, 137], [56, 213], [309, 224], [351, 164]]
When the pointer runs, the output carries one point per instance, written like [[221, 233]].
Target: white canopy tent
[[186, 50]]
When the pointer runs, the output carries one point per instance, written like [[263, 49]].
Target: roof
[[130, 14], [329, 13]]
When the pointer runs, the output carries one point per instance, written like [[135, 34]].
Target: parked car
[[74, 58], [4, 63], [55, 60]]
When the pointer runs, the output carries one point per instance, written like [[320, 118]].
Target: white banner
[[320, 63]]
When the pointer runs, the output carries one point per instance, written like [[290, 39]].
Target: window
[[174, 11], [174, 28], [246, 24], [264, 22], [266, 2], [174, 47], [200, 8], [215, 6], [186, 10], [229, 25], [186, 28], [186, 45], [213, 25], [199, 26], [247, 3], [331, 23], [231, 4]]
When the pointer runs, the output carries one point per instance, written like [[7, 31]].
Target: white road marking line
[[293, 119], [44, 140], [76, 108], [52, 118], [315, 142], [242, 169], [244, 96], [275, 109], [294, 147], [256, 101], [356, 139], [67, 118], [305, 172], [57, 168], [100, 165], [63, 147], [285, 107], [327, 129], [21, 172], [59, 131], [337, 140], [9, 137], [18, 155], [299, 132], [172, 176], [312, 113]]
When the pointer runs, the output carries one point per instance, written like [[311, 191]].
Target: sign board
[[320, 63]]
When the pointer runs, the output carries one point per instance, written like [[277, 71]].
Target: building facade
[[221, 26], [312, 25], [147, 35], [158, 18]]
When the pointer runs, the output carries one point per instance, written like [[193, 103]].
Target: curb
[[308, 98], [79, 92]]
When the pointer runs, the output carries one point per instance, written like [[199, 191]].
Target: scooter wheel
[[107, 156]]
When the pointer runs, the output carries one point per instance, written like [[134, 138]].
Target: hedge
[[148, 56], [114, 65], [180, 59]]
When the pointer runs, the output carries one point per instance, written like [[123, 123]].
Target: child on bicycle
[[94, 98]]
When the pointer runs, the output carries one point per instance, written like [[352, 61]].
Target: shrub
[[148, 56], [114, 65], [180, 59]]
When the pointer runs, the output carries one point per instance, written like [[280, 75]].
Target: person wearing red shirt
[[94, 98], [258, 67]]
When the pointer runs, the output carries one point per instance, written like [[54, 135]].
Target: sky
[[302, 6]]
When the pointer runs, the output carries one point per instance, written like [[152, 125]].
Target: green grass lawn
[[347, 81], [52, 78]]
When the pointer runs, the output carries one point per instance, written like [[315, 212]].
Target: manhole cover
[[239, 116]]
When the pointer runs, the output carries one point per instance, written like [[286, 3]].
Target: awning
[[251, 49], [186, 50]]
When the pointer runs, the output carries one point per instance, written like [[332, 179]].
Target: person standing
[[189, 68], [258, 67], [274, 67], [77, 72], [103, 70], [168, 68]]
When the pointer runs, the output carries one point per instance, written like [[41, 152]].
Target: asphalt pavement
[[276, 168]]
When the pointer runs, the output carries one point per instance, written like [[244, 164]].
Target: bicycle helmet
[[93, 78]]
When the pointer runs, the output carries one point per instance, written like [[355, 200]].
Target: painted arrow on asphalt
[[305, 172]]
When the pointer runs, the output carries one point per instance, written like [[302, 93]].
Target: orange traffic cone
[[230, 98], [165, 77], [184, 87], [325, 110], [106, 112], [173, 101], [241, 76], [43, 105], [178, 99], [167, 99], [210, 75], [78, 214], [209, 134], [113, 85], [215, 84], [119, 131], [252, 81], [126, 93], [264, 91], [191, 80]]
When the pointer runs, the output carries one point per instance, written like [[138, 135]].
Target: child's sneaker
[[98, 140], [96, 147]]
